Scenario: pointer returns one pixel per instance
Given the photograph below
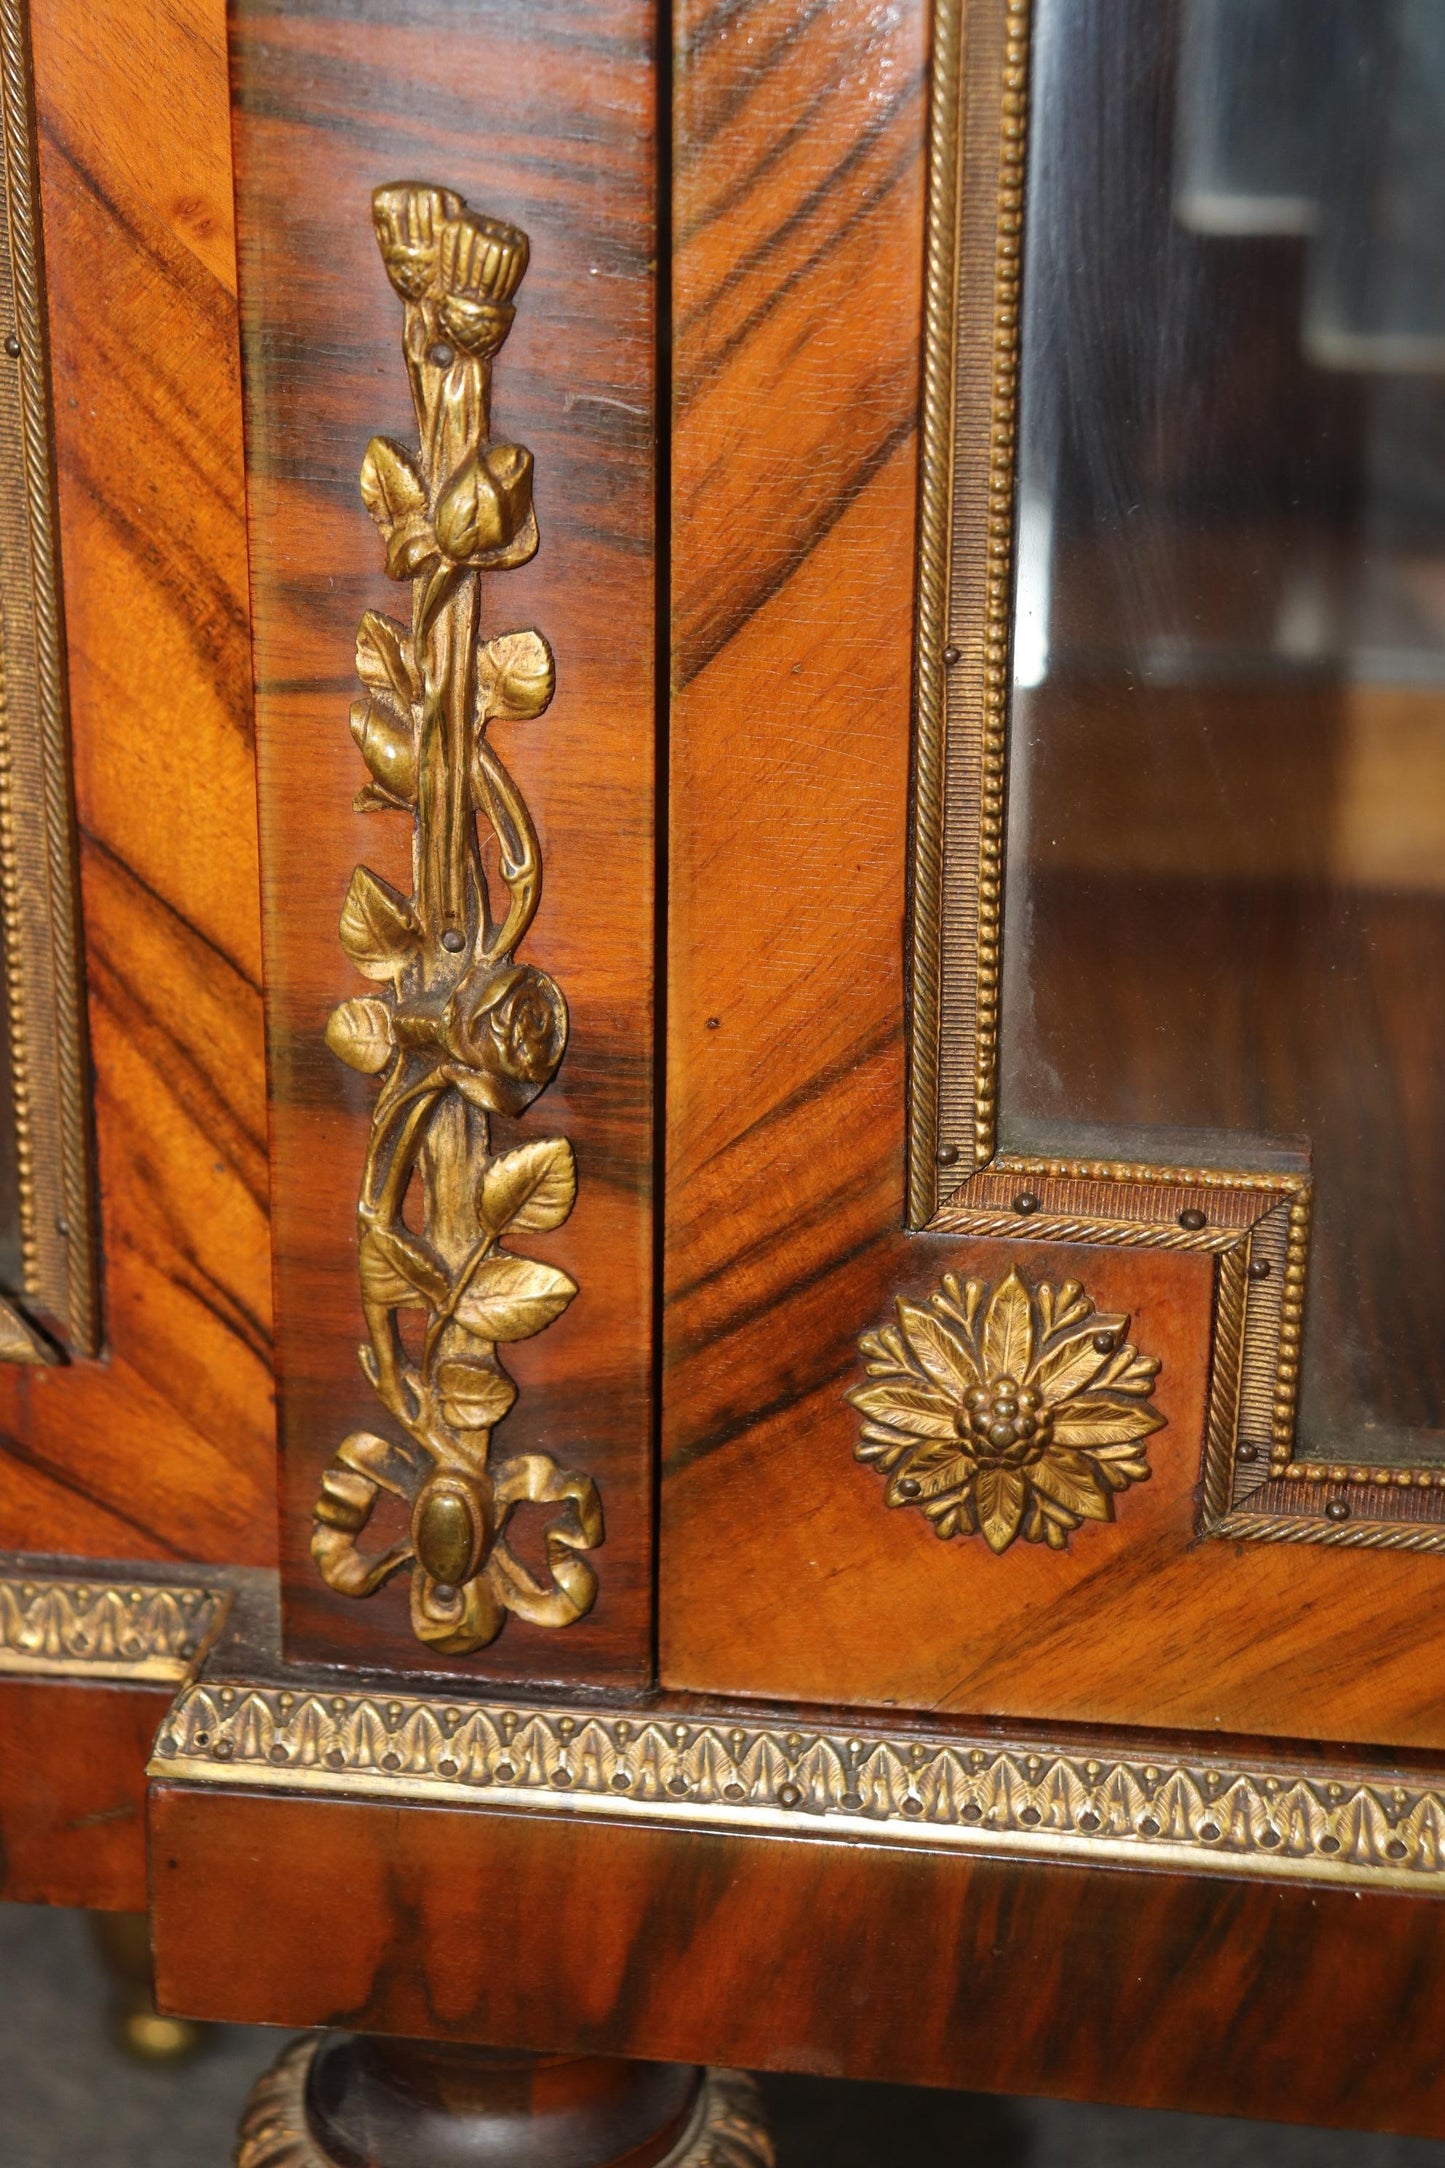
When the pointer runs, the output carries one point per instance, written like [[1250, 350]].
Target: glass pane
[[1225, 915]]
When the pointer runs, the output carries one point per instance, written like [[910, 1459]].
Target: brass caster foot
[[122, 1942], [725, 2127], [148, 2037]]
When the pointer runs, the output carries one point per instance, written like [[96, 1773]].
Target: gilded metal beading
[[39, 902], [1272, 1815], [965, 553], [52, 1627]]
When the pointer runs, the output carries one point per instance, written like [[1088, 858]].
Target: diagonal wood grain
[[165, 1447], [798, 310]]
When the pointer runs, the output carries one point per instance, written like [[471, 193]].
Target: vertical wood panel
[[165, 1447], [541, 114], [797, 296]]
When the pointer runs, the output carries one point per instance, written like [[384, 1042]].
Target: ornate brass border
[[1255, 1224], [39, 899], [1321, 1822], [108, 1628], [978, 125]]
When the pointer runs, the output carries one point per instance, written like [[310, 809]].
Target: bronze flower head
[[436, 250], [410, 220], [483, 262], [1004, 1412], [512, 1037]]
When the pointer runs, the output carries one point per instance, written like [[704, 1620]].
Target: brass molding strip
[[1324, 1823], [1256, 1226], [1355, 1516], [934, 551], [39, 902], [143, 1631], [977, 139]]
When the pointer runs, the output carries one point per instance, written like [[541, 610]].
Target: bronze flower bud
[[485, 504], [388, 747], [482, 259], [410, 220], [477, 327]]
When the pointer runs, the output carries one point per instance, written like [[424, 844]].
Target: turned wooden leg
[[346, 2100], [122, 1942]]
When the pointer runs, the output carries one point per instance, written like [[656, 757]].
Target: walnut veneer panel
[[541, 114], [798, 308], [72, 1791], [165, 1447], [1156, 1989]]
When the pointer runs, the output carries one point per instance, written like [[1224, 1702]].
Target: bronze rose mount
[[457, 1030]]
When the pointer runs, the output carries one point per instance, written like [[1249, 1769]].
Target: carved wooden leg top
[[344, 2100]]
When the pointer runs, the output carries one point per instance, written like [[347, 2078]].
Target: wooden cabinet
[[847, 703]]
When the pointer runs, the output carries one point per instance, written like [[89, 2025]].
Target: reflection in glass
[[1225, 909]]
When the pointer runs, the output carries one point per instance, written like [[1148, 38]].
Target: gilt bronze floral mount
[[457, 1030], [1006, 1411]]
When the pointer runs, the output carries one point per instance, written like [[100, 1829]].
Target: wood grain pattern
[[797, 300], [394, 2101], [798, 226], [542, 115], [1157, 1990], [164, 1447], [72, 1791]]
